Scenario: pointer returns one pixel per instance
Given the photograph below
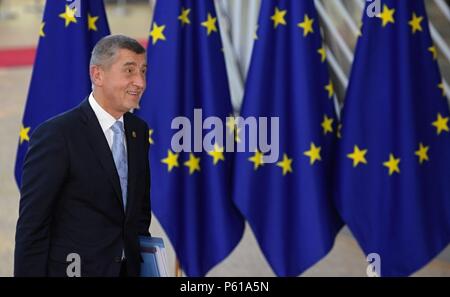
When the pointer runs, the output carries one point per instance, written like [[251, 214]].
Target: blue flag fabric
[[191, 191], [288, 204], [392, 184], [60, 78]]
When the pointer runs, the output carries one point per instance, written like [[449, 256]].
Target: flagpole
[[178, 270]]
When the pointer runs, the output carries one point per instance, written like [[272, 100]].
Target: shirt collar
[[105, 119]]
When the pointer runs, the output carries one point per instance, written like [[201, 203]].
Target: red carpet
[[15, 57]]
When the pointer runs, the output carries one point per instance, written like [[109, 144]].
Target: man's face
[[123, 82]]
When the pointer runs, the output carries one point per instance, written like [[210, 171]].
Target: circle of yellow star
[[257, 159], [327, 125], [338, 131], [392, 164], [286, 164], [232, 123], [441, 124], [415, 23], [313, 154], [330, 89], [307, 25], [442, 87], [278, 17], [157, 33], [193, 163], [387, 15], [210, 24], [91, 22], [68, 16], [323, 54], [358, 156], [360, 26], [433, 51], [41, 30], [422, 153], [184, 16], [23, 134], [217, 154], [171, 160], [255, 35], [150, 139], [237, 134]]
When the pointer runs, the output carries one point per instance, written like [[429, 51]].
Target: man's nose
[[140, 81]]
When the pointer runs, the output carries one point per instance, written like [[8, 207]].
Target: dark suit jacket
[[71, 200]]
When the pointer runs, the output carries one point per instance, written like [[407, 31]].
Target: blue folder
[[152, 252]]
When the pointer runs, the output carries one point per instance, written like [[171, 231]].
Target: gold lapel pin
[[133, 134]]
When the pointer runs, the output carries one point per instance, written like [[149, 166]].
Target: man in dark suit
[[86, 176]]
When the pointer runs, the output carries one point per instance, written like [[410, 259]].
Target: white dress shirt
[[106, 121]]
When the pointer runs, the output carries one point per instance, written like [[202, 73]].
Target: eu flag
[[187, 82], [288, 203], [60, 78], [394, 156]]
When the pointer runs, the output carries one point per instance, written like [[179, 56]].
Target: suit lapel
[[131, 137], [101, 148]]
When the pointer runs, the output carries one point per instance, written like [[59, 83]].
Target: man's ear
[[96, 74]]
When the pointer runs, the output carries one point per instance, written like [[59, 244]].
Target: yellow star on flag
[[307, 25], [255, 35], [358, 156], [441, 124], [217, 154], [313, 154], [41, 30], [68, 16], [286, 164], [157, 33], [330, 89], [433, 50], [91, 22], [338, 131], [150, 139], [171, 160], [257, 159], [24, 134], [327, 125], [278, 17], [210, 24], [184, 16], [422, 153], [323, 54], [232, 123], [193, 163], [415, 23], [442, 87], [237, 137], [392, 164], [387, 15], [360, 26]]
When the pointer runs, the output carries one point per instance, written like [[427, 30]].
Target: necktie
[[120, 158]]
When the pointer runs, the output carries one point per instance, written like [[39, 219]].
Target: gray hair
[[107, 47]]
